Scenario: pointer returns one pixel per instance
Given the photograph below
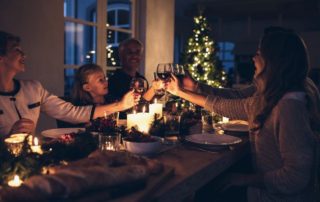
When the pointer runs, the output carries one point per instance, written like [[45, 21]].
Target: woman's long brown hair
[[286, 69]]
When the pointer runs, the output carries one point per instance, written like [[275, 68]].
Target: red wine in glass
[[164, 71], [164, 75], [139, 85], [178, 71]]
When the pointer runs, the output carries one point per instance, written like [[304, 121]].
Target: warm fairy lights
[[201, 55]]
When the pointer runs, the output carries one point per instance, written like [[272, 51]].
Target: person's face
[[259, 63], [14, 60], [131, 56], [97, 84]]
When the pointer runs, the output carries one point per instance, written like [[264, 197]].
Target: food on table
[[105, 171], [137, 136]]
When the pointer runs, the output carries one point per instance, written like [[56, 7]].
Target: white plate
[[57, 132], [236, 126], [213, 140]]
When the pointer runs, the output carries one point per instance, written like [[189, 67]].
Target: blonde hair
[[80, 96]]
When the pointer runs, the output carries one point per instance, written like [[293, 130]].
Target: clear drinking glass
[[109, 142], [172, 127], [207, 121], [15, 143], [112, 116]]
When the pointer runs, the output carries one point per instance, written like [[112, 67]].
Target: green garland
[[28, 163]]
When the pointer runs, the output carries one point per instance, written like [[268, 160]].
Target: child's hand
[[130, 99]]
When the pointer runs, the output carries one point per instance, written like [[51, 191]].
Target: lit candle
[[156, 108], [225, 119], [131, 119], [15, 143], [109, 146], [142, 120], [145, 121], [15, 182], [36, 148]]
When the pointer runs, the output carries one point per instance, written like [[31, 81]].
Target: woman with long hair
[[283, 116]]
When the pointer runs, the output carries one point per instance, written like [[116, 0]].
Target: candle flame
[[134, 111], [155, 101], [15, 182], [35, 141], [144, 109], [105, 114], [16, 178]]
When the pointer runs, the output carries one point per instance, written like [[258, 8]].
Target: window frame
[[102, 27], [223, 51]]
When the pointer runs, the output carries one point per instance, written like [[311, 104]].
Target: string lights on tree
[[200, 55]]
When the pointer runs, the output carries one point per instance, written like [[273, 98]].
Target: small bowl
[[143, 148]]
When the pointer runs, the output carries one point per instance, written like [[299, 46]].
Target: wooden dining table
[[187, 169]]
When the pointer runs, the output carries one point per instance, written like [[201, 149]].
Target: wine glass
[[178, 71], [164, 71], [140, 86]]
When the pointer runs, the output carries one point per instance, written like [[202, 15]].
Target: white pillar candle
[[144, 121], [131, 120], [155, 108]]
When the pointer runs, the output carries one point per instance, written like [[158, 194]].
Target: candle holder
[[15, 143], [109, 142], [207, 121], [15, 182]]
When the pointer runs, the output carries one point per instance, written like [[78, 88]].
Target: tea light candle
[[13, 139], [108, 146], [15, 182], [155, 108], [36, 148], [15, 144], [225, 119]]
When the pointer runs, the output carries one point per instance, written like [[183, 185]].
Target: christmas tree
[[200, 55]]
